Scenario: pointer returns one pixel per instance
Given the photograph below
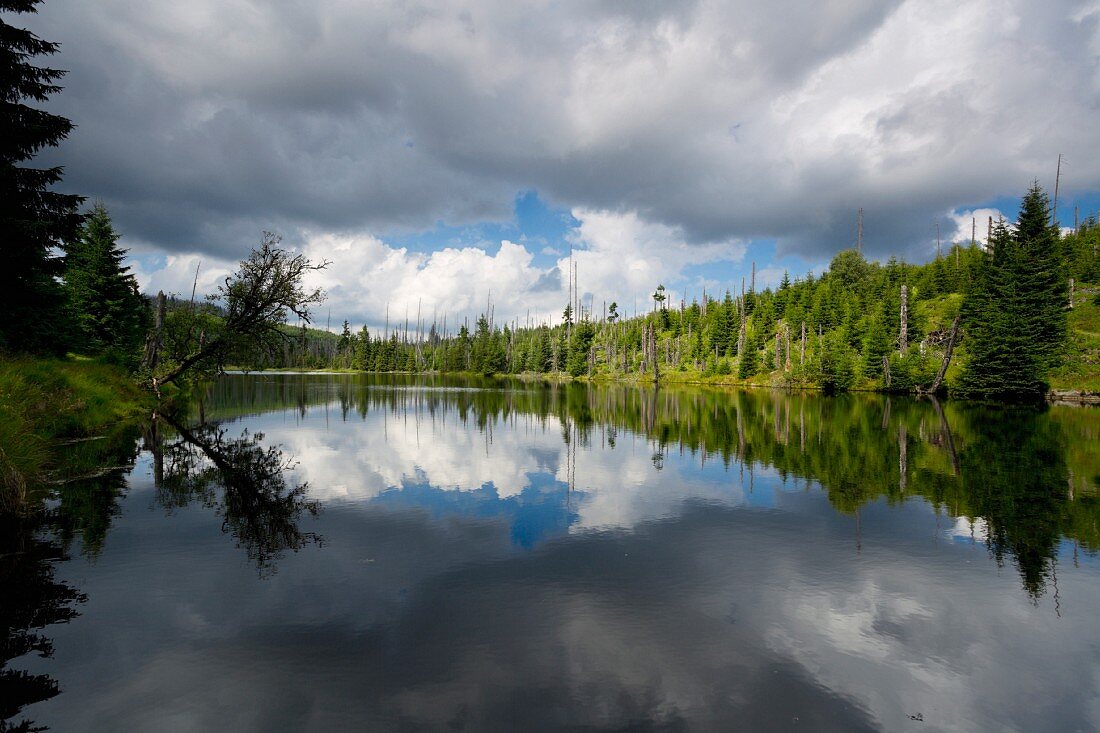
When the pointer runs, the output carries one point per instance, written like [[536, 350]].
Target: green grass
[[45, 401], [1081, 370]]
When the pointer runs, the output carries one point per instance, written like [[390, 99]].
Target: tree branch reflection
[[240, 477]]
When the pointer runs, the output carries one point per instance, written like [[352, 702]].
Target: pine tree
[[579, 343], [1042, 272], [876, 344], [487, 354], [749, 362], [34, 220], [722, 327], [106, 310], [345, 339], [538, 357], [363, 350], [835, 373], [1015, 312]]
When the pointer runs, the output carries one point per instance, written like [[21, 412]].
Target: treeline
[[882, 326]]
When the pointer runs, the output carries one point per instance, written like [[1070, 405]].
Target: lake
[[376, 552]]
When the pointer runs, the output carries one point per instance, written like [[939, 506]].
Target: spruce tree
[[345, 338], [876, 344], [538, 357], [722, 327], [1044, 284], [748, 363], [579, 344], [1015, 311], [487, 353], [363, 350], [34, 220], [106, 311]]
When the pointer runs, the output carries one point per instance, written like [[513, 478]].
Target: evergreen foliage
[[1015, 314], [579, 344], [107, 313], [34, 220], [487, 354], [834, 331], [749, 362]]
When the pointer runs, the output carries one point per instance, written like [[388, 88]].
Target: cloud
[[618, 257], [200, 124], [179, 274], [972, 222]]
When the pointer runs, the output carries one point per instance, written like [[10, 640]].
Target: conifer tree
[[487, 355], [106, 310], [1044, 279], [345, 338], [876, 344], [722, 327], [579, 343], [749, 361], [1015, 312], [363, 350], [34, 220], [538, 357]]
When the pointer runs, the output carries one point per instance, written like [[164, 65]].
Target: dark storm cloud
[[202, 123]]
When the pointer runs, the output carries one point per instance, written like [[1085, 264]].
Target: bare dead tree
[[256, 301], [903, 337], [946, 357]]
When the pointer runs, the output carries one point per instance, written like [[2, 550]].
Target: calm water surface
[[324, 553]]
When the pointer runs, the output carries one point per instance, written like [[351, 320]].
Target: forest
[[1007, 320], [1005, 311]]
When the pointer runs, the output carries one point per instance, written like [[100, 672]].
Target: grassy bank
[[1081, 371], [44, 402]]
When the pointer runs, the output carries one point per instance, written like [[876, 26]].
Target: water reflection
[[31, 599], [547, 557], [240, 477], [78, 505], [1004, 471]]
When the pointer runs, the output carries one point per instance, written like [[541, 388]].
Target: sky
[[444, 155]]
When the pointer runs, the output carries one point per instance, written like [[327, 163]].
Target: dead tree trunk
[[155, 339], [946, 357], [787, 363], [154, 342], [653, 351], [903, 337], [948, 441]]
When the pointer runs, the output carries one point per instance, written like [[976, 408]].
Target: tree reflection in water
[[1023, 478], [240, 477], [30, 600]]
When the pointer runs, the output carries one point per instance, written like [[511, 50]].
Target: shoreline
[[1067, 397]]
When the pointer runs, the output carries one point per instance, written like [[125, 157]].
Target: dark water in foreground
[[369, 553]]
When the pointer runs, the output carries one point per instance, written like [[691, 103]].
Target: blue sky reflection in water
[[537, 558]]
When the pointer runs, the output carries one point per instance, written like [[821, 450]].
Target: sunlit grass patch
[[43, 401]]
